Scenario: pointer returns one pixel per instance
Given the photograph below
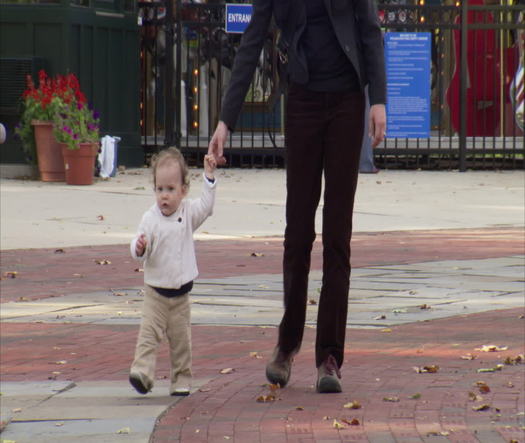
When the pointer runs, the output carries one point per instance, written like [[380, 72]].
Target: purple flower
[[75, 136], [79, 106], [67, 129], [96, 115]]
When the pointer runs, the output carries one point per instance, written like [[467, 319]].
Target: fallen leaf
[[139, 270], [426, 369], [483, 407], [337, 425], [10, 274], [424, 306], [386, 330], [312, 302], [472, 396], [498, 367], [56, 373], [483, 387], [59, 251], [327, 417], [352, 405], [380, 317], [399, 311], [125, 430], [416, 396], [16, 410], [59, 424], [514, 360], [255, 355], [265, 398], [61, 362], [256, 254], [274, 386], [204, 389], [227, 371], [352, 422], [391, 399], [468, 356], [118, 294], [437, 434], [492, 348], [226, 437], [78, 275], [103, 262], [299, 408]]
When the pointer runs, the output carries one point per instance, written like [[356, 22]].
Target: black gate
[[477, 85]]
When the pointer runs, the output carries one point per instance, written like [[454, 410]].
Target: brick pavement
[[378, 364]]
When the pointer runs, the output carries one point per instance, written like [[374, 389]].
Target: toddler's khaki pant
[[170, 317]]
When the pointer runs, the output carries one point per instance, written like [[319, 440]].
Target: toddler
[[164, 242]]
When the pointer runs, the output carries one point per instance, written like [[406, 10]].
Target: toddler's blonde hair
[[171, 154]]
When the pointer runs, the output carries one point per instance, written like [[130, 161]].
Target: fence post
[[168, 75], [178, 76], [463, 87]]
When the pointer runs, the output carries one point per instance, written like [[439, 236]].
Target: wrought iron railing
[[476, 101]]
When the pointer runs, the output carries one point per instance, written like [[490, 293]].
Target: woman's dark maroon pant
[[324, 131]]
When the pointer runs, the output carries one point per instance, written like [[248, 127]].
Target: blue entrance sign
[[407, 56], [237, 17]]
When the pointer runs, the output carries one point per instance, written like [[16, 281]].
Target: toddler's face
[[169, 188]]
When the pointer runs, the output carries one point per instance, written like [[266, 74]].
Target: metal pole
[[178, 75], [463, 88], [168, 75]]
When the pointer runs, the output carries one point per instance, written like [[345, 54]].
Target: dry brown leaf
[[437, 434], [299, 408], [472, 396], [337, 425], [492, 348], [312, 302], [483, 407], [10, 274], [415, 396], [514, 360], [352, 405], [386, 330], [274, 386], [426, 369], [468, 356], [380, 317], [59, 251], [424, 306], [265, 398], [139, 270], [483, 387], [103, 262], [351, 422], [125, 430], [256, 254], [61, 362], [227, 371], [255, 355], [391, 399], [494, 369]]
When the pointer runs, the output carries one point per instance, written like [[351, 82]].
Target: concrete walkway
[[438, 272]]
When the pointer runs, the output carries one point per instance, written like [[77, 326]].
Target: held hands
[[209, 165], [217, 142], [141, 245], [377, 124]]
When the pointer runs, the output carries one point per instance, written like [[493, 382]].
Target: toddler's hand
[[210, 164], [140, 246]]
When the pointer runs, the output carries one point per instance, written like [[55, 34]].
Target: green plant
[[40, 103], [76, 123]]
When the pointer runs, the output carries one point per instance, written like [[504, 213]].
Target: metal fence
[[477, 85]]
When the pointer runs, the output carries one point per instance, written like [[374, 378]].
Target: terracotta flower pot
[[80, 163], [48, 152]]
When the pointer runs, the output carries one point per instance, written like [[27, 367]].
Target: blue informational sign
[[237, 17], [407, 56]]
